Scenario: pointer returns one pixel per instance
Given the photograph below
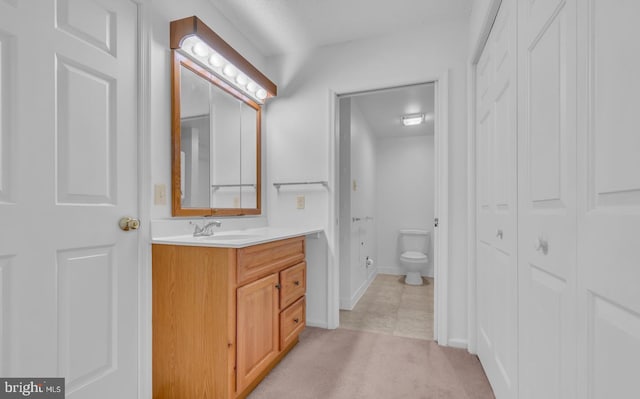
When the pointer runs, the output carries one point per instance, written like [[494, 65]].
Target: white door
[[547, 199], [609, 199], [68, 134], [496, 205]]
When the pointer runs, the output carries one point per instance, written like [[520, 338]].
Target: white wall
[[405, 195], [480, 12], [362, 198], [299, 125]]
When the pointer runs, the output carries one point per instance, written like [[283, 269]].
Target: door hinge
[[436, 222]]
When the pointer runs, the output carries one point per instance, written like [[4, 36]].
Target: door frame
[[476, 52], [145, 360], [441, 236]]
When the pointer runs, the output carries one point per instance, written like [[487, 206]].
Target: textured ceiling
[[285, 26], [383, 109]]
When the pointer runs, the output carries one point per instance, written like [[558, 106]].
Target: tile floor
[[391, 307]]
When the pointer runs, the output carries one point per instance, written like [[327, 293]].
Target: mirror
[[216, 138], [216, 98]]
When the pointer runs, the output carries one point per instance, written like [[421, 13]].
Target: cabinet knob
[[296, 320], [278, 285], [296, 282]]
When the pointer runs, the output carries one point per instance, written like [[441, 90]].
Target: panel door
[[257, 328], [496, 205], [68, 274], [547, 199], [609, 199]]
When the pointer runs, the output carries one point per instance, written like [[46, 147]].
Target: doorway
[[387, 181]]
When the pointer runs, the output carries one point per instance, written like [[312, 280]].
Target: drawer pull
[[296, 320], [296, 282]]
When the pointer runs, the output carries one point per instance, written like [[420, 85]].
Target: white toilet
[[414, 250]]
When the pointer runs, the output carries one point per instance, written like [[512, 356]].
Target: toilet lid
[[413, 255]]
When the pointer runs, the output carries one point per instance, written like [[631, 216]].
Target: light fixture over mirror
[[217, 97], [195, 40]]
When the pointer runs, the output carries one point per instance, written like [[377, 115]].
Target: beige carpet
[[347, 364]]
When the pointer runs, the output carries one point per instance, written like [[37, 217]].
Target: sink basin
[[229, 237]]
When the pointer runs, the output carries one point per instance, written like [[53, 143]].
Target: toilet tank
[[414, 240]]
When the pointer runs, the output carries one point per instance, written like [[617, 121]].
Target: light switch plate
[[160, 194], [300, 202]]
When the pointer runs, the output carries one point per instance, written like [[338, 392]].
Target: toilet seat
[[413, 256]]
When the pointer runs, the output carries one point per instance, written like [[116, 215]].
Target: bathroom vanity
[[226, 309]]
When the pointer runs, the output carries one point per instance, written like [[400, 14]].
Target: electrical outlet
[[236, 202], [300, 202], [160, 194]]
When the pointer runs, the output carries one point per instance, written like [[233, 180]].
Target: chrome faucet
[[207, 229]]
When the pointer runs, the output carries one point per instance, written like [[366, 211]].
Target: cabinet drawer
[[292, 322], [293, 282], [259, 260]]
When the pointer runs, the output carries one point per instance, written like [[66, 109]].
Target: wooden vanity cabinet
[[224, 317]]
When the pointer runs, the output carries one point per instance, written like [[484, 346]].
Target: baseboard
[[319, 324], [461, 343], [397, 271], [392, 270], [350, 303]]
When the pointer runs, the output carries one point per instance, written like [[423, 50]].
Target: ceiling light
[[413, 119]]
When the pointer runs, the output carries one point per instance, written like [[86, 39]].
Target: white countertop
[[238, 238]]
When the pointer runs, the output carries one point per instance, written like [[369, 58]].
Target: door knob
[[542, 245], [128, 223]]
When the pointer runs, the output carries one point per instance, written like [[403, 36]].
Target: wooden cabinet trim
[[257, 329], [187, 283], [292, 321], [198, 330], [293, 282], [260, 260]]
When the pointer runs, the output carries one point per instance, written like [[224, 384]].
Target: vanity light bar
[[195, 40], [197, 50]]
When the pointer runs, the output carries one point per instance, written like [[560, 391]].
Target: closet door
[[496, 206], [609, 199], [547, 202]]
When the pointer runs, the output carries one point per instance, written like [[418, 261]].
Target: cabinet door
[[608, 213], [257, 336], [294, 284], [496, 205], [547, 199]]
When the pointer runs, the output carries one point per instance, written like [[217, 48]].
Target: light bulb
[[216, 61], [241, 80], [252, 86], [261, 94], [200, 49], [230, 71]]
